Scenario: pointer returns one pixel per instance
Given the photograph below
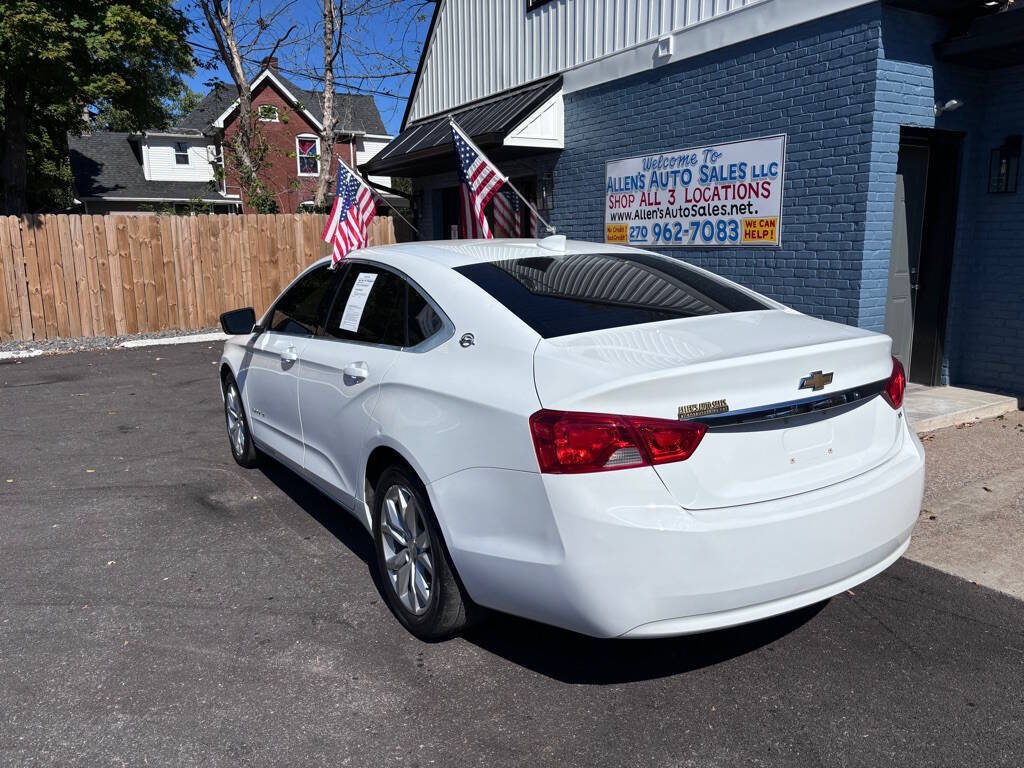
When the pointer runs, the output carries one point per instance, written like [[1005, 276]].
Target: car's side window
[[301, 309], [369, 307], [422, 320]]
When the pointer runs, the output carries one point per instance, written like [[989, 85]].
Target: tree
[[182, 103], [58, 57], [351, 40], [178, 103], [357, 45], [236, 38], [333, 25]]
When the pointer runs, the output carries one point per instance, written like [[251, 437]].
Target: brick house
[[290, 118], [891, 130], [184, 165]]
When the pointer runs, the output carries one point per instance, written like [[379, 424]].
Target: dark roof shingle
[[356, 112], [106, 164]]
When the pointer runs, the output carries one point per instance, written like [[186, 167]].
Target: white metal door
[[271, 393], [341, 370], [338, 388], [899, 310]]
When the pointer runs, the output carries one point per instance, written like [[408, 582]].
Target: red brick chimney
[[269, 63]]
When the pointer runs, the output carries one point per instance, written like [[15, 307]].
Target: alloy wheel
[[236, 419], [406, 544]]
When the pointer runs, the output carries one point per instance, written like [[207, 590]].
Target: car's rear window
[[576, 293]]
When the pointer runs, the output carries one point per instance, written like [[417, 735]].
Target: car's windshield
[[558, 295]]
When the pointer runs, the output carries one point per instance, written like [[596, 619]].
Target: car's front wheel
[[419, 581], [242, 446]]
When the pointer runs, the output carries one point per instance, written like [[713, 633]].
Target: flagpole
[[397, 213], [381, 198], [508, 181], [550, 228]]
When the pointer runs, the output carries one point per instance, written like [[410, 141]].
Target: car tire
[[402, 514], [243, 449]]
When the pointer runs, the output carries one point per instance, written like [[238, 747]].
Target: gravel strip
[[63, 346]]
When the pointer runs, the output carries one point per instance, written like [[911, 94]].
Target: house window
[[308, 151], [181, 153], [268, 113]]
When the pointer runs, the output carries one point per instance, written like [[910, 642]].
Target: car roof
[[449, 254], [458, 253]]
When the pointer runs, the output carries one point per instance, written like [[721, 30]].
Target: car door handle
[[289, 355], [357, 370]]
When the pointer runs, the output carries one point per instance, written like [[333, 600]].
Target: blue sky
[[395, 30]]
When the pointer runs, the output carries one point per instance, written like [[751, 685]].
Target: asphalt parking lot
[[162, 606]]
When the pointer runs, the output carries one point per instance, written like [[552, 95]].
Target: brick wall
[[816, 84], [986, 317], [840, 88], [908, 86], [985, 323], [281, 174]]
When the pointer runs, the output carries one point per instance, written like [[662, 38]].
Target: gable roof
[[356, 113], [107, 165]]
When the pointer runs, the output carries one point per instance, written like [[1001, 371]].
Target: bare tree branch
[[248, 147], [333, 17], [350, 47]]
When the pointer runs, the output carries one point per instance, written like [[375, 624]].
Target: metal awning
[[426, 146]]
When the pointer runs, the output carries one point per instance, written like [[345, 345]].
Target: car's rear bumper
[[611, 554]]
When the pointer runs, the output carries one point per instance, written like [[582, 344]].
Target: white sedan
[[596, 437]]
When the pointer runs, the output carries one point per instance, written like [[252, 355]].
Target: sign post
[[727, 194]]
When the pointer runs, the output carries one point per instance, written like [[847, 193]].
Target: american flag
[[351, 214], [480, 182], [506, 212]]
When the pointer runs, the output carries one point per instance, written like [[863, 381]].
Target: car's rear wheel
[[242, 447], [419, 581]]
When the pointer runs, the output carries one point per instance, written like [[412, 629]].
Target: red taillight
[[568, 442], [897, 384], [669, 440]]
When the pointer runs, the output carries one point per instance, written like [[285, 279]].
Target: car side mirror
[[239, 322]]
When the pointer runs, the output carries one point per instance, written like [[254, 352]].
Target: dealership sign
[[719, 194]]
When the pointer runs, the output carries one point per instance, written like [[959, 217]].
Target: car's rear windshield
[[576, 293]]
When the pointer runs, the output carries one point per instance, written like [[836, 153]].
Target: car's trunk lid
[[751, 361]]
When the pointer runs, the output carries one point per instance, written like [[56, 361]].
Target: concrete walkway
[[931, 408], [972, 518]]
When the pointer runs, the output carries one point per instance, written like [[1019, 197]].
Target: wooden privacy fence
[[69, 275]]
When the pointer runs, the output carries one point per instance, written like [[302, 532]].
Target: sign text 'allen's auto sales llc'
[[719, 194]]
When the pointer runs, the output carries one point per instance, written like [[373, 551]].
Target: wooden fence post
[[69, 285], [10, 323], [108, 226], [13, 226]]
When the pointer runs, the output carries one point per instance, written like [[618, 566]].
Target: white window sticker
[[357, 301]]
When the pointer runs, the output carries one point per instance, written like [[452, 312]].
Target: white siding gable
[[160, 165], [544, 128], [366, 148]]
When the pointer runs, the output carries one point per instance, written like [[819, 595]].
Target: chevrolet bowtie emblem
[[816, 381]]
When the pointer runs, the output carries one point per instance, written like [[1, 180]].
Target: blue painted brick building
[[870, 95], [809, 82]]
